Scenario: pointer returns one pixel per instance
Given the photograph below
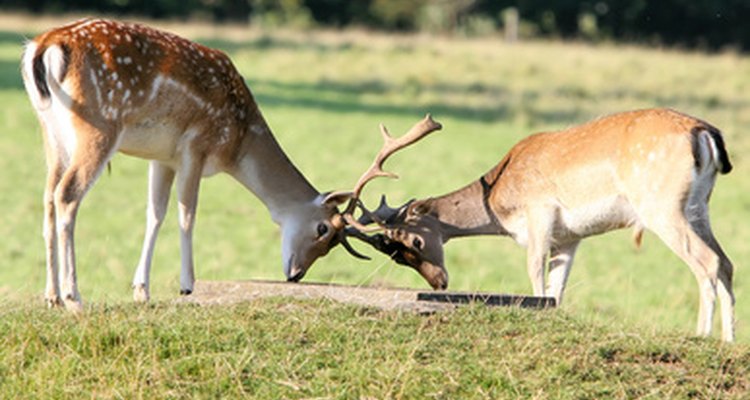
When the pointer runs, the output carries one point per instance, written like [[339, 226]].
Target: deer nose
[[440, 284], [440, 280], [295, 274]]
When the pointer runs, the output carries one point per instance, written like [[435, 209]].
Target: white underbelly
[[568, 224], [595, 217], [167, 144], [152, 140]]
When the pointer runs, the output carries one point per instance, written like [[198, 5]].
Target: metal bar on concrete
[[488, 299]]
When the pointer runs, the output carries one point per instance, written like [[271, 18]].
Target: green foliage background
[[711, 24]]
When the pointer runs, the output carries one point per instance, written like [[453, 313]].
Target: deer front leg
[[188, 183], [535, 258], [539, 226], [560, 262], [160, 178]]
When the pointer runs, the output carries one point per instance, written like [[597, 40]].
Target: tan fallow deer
[[650, 169], [101, 86]]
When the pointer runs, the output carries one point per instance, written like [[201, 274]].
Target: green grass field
[[324, 94], [280, 349]]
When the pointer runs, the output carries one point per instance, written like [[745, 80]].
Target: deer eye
[[322, 229], [417, 243]]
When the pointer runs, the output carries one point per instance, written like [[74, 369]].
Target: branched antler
[[390, 145]]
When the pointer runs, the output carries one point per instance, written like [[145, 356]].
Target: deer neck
[[264, 169], [465, 212]]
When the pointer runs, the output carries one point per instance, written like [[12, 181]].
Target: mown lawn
[[324, 94], [278, 348]]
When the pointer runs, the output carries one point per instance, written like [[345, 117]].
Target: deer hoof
[[73, 304], [140, 294], [53, 302]]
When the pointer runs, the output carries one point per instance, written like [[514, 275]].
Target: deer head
[[410, 236], [311, 234], [398, 236], [336, 227]]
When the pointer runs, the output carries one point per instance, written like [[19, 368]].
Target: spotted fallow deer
[[101, 86], [650, 169]]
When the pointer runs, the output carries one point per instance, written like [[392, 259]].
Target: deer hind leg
[[726, 295], [188, 183], [701, 225], [678, 234], [688, 233], [55, 169], [160, 178], [560, 262], [91, 153]]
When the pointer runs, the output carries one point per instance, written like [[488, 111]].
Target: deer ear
[[418, 208], [333, 199]]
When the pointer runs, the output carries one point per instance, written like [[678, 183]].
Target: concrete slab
[[386, 298]]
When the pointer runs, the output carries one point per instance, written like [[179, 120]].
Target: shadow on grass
[[265, 42], [502, 104], [337, 96], [10, 70], [14, 37], [343, 98], [10, 75]]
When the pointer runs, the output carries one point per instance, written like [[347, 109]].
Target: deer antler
[[390, 145]]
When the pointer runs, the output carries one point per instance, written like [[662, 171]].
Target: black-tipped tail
[[50, 69], [726, 165], [721, 155], [40, 75]]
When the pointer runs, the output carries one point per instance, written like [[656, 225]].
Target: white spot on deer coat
[[257, 129]]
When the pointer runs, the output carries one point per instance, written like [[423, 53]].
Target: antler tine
[[391, 145], [360, 226]]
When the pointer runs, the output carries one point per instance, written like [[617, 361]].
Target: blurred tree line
[[710, 24]]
